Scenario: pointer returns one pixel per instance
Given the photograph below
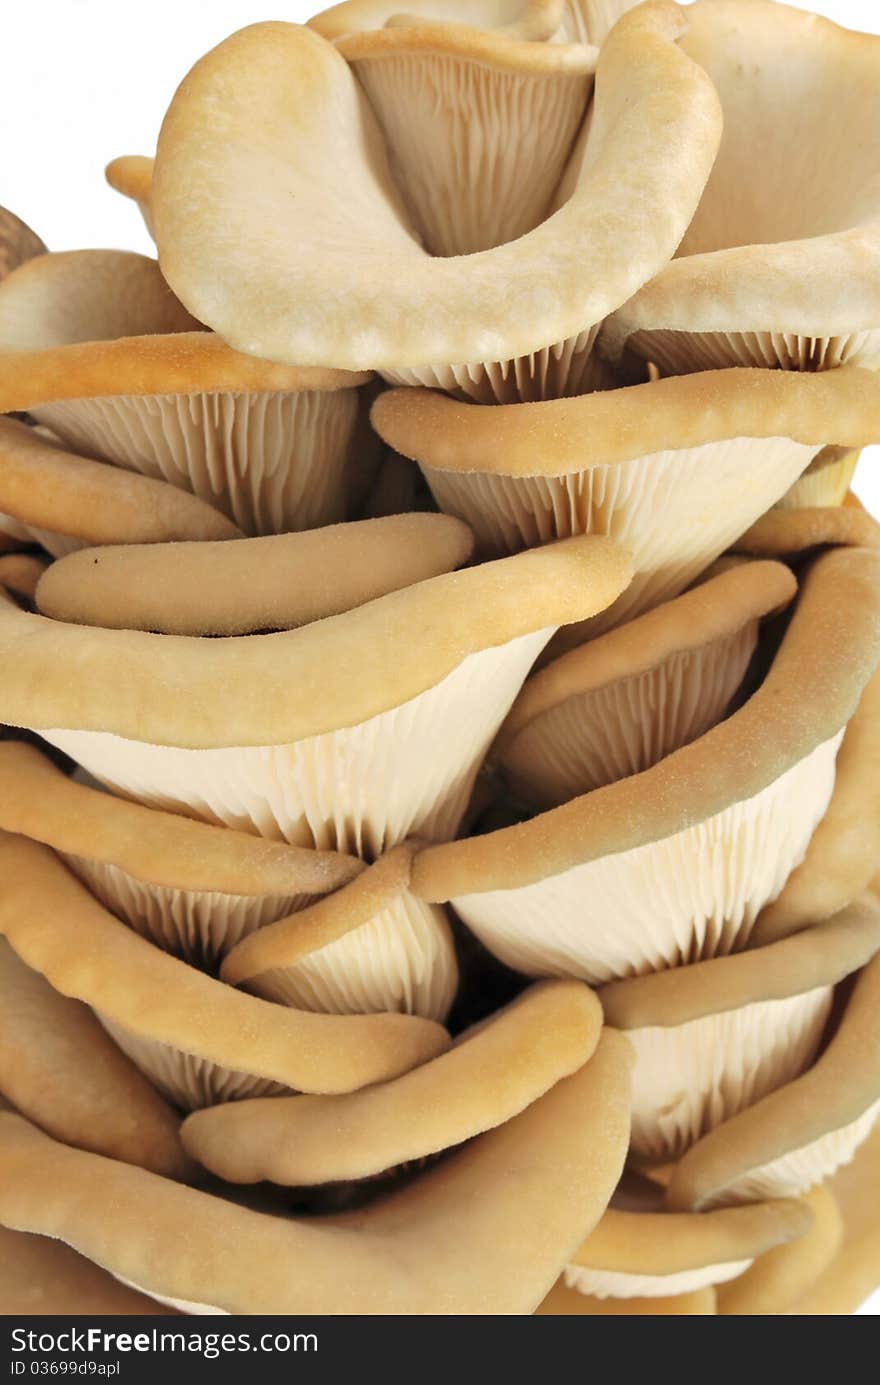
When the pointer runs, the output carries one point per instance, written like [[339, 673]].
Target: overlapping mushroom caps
[[94, 344], [324, 735], [713, 1038], [673, 469], [675, 863], [486, 1231], [781, 263], [517, 318]]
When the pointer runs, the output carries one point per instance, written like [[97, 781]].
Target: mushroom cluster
[[440, 761]]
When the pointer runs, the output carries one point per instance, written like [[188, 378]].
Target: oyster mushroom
[[792, 534], [620, 703], [94, 344], [20, 574], [825, 482], [780, 1277], [713, 1038], [518, 317], [527, 19], [491, 1073], [17, 242], [60, 1069], [803, 1132], [40, 1276], [675, 863], [709, 453], [486, 1231], [781, 263], [65, 502], [191, 888], [370, 946], [132, 175], [197, 1039], [278, 582], [325, 735]]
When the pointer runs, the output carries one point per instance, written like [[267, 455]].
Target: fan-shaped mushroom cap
[[783, 1274], [64, 501], [198, 1039], [479, 125], [193, 889], [656, 1254], [674, 469], [825, 482], [59, 1068], [675, 863], [590, 21], [132, 175], [486, 1231], [489, 1075], [326, 735], [854, 1273], [525, 19], [40, 1276], [781, 264], [272, 583], [20, 573], [564, 1302], [371, 946], [521, 315], [94, 344], [620, 703], [791, 534], [17, 242], [842, 857], [800, 1134], [713, 1038]]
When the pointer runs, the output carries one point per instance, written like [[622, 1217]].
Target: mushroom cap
[[59, 1068], [373, 297], [781, 1276], [842, 857], [781, 263], [527, 19], [790, 534], [795, 718], [40, 1276], [277, 582], [261, 689], [489, 1075], [485, 1231], [801, 1133], [20, 573], [132, 175], [61, 931], [623, 701], [17, 242], [66, 500]]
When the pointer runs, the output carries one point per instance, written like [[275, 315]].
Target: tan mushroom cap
[[662, 1254], [825, 482], [20, 573], [59, 1068], [379, 300], [38, 801], [497, 881], [623, 701], [526, 19], [272, 583], [41, 1276], [484, 1232], [781, 263], [563, 1302], [709, 452], [488, 1076], [58, 929], [854, 1273], [17, 242], [257, 690], [590, 21], [132, 175], [370, 946], [804, 1131], [783, 1274], [66, 500], [842, 857], [793, 533], [479, 125]]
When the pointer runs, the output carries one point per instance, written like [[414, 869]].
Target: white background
[[86, 80]]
